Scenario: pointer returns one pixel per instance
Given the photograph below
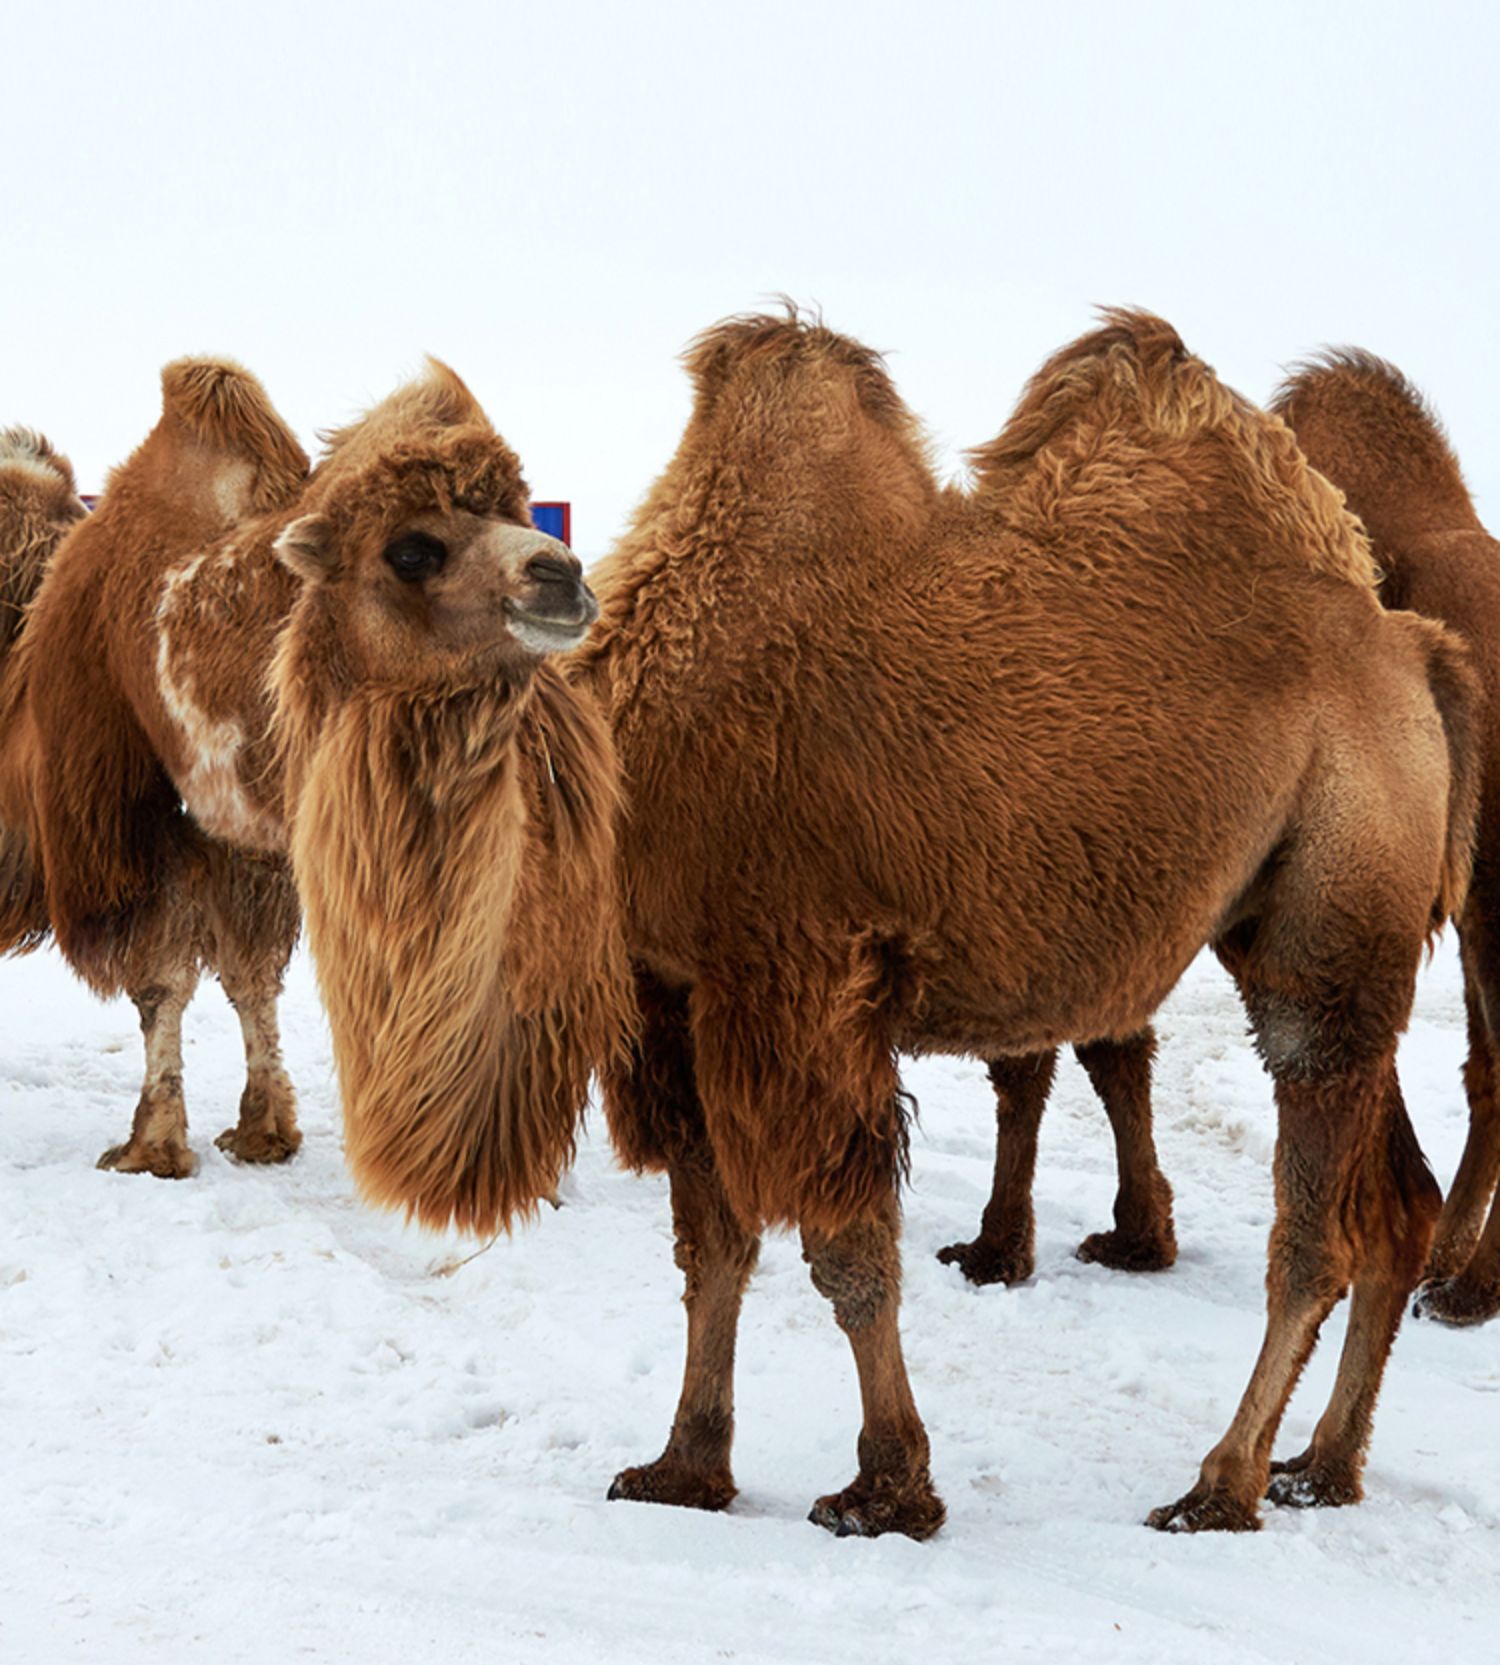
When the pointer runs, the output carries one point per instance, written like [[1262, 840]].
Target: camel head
[[428, 569]]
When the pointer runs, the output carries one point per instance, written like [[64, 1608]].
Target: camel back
[[1365, 426]]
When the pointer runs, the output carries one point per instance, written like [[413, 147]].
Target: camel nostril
[[553, 569]]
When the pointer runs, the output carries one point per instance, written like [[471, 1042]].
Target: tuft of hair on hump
[[222, 406], [25, 451], [434, 400], [1135, 366], [792, 339]]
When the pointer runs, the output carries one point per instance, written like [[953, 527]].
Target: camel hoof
[[1307, 1482], [1457, 1302], [865, 1511], [666, 1481], [1128, 1252], [1206, 1509], [983, 1262], [259, 1144], [162, 1161]]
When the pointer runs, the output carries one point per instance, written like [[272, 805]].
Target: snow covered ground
[[243, 1418]]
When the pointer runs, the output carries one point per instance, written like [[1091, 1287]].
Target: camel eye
[[415, 556]]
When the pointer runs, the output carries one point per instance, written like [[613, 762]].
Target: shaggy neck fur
[[455, 858]]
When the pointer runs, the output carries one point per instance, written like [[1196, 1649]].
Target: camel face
[[449, 594]]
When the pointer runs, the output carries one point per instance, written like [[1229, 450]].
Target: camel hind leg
[[1398, 1200], [1005, 1249], [1144, 1238], [1327, 971], [252, 916], [1464, 1272]]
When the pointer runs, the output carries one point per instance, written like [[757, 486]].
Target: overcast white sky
[[556, 196]]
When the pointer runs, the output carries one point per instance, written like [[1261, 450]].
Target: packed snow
[[245, 1418]]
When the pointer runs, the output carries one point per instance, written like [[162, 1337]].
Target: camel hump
[[222, 408], [25, 452], [792, 339], [1372, 431], [1132, 372]]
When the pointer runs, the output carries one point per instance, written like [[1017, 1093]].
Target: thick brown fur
[[1379, 440], [39, 505], [1369, 431], [144, 687], [980, 773]]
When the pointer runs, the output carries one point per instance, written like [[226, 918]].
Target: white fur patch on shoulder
[[210, 785]]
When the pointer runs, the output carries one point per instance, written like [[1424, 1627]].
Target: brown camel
[[445, 774], [39, 503], [914, 770], [1368, 430]]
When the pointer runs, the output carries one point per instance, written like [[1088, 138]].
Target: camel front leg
[[253, 917], [859, 1270], [717, 1256], [1005, 1249], [1144, 1238], [158, 1135]]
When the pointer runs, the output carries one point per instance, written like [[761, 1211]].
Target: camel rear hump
[[1361, 422], [1126, 429]]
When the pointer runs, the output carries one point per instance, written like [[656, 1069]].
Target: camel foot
[[1449, 1257], [869, 1509], [1206, 1509], [260, 1144], [984, 1261], [164, 1161], [1457, 1302], [669, 1481], [1129, 1251], [1311, 1482]]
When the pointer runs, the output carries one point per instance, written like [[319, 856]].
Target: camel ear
[[307, 548]]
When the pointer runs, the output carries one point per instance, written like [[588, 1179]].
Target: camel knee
[[858, 1270]]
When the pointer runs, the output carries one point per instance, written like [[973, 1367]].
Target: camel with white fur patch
[[450, 779]]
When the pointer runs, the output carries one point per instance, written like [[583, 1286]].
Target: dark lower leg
[[1144, 1239], [1005, 1249], [717, 1256], [859, 1270], [158, 1135], [1326, 1128], [1398, 1206], [252, 914]]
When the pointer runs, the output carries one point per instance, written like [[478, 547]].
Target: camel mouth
[[547, 632]]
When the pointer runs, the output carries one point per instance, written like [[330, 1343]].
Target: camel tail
[[1371, 431], [220, 406], [1458, 695]]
